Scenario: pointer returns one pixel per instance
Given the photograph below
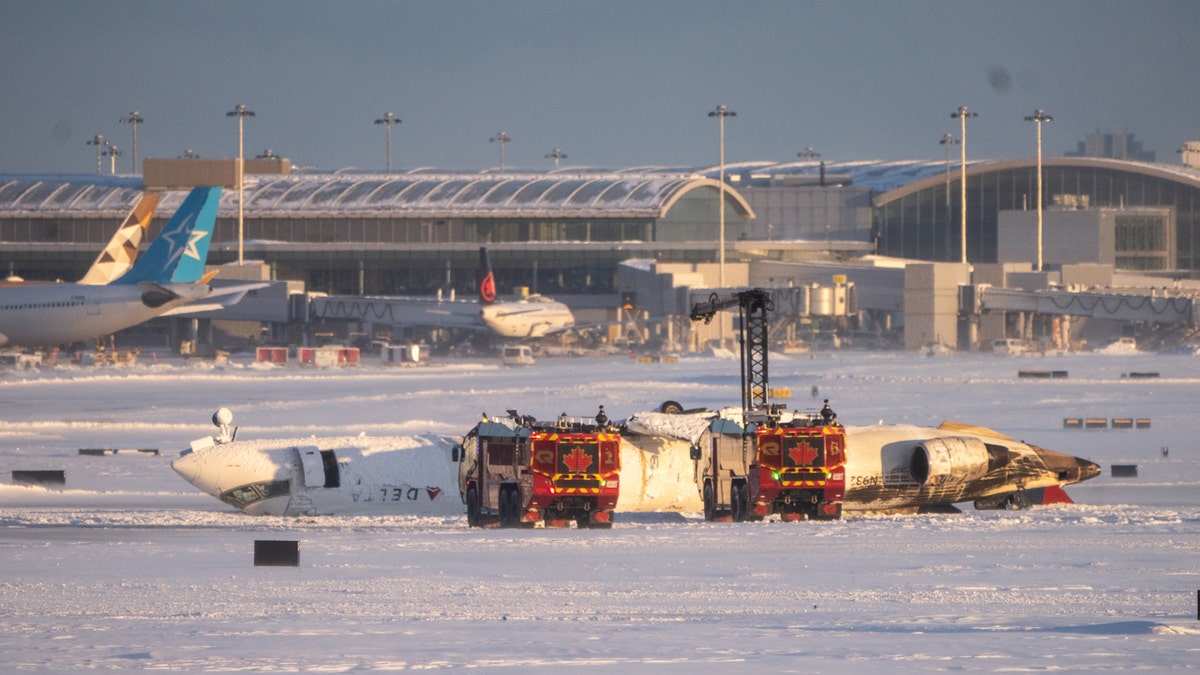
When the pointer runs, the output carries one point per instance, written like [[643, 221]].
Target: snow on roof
[[568, 192]]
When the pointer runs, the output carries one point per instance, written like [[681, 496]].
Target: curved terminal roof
[[68, 194], [1180, 174], [463, 195], [567, 193]]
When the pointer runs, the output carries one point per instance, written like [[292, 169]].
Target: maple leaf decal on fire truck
[[578, 460], [803, 453]]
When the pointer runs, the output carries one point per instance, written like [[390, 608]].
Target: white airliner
[[168, 276], [533, 316], [362, 475]]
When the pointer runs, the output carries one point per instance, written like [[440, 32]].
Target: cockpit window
[[245, 495]]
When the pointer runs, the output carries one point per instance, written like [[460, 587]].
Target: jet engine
[[950, 460]]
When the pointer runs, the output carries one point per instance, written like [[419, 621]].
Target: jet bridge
[[396, 311], [1115, 306]]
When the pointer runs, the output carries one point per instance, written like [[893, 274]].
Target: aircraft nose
[[1087, 470], [1070, 469], [192, 468]]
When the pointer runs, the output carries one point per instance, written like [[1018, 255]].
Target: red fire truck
[[769, 461], [795, 469], [518, 471]]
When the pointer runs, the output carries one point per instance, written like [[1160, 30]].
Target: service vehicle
[[517, 471], [764, 460]]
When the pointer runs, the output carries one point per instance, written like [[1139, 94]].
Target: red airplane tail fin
[[1054, 495], [487, 283]]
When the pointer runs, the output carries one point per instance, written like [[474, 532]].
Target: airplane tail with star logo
[[178, 253]]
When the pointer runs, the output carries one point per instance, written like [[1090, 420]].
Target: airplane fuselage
[[56, 314], [881, 462], [307, 476], [531, 317], [413, 474]]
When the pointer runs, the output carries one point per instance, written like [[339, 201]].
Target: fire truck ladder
[[754, 305]]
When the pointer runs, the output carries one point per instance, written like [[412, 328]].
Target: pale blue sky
[[614, 83]]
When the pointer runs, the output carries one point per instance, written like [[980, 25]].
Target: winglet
[[208, 276], [178, 253]]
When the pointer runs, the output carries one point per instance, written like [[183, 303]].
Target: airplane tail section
[[487, 283], [118, 257], [178, 254]]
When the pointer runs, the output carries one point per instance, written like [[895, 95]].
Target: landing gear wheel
[[670, 408], [472, 507], [710, 508]]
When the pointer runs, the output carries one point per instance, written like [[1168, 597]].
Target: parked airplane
[[889, 469], [532, 316], [122, 250], [168, 276]]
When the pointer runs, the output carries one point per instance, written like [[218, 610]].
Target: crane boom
[[753, 305]]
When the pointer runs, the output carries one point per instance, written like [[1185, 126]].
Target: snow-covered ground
[[128, 567]]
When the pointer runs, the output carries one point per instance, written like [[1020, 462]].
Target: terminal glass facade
[[922, 225]]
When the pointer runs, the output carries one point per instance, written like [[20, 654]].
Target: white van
[[1008, 346], [517, 355]]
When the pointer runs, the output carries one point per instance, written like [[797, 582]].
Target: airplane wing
[[972, 429], [225, 296]]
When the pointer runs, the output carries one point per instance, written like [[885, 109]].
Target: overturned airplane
[[887, 469]]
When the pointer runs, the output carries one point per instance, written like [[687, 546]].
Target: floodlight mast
[[500, 138], [241, 113], [1038, 117], [388, 120], [556, 155], [721, 113], [962, 114], [947, 141], [99, 141], [133, 119], [112, 152]]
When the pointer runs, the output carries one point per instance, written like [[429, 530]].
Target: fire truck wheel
[[502, 505], [472, 507], [514, 507], [737, 499], [710, 509]]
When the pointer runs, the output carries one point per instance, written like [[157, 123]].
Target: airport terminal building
[[565, 232]]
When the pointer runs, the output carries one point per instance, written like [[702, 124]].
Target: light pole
[[500, 138], [112, 152], [808, 153], [98, 141], [241, 113], [1038, 117], [962, 114], [133, 119], [721, 113], [387, 121], [556, 155], [947, 141]]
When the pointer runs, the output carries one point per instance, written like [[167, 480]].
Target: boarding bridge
[[1115, 306], [396, 311]]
